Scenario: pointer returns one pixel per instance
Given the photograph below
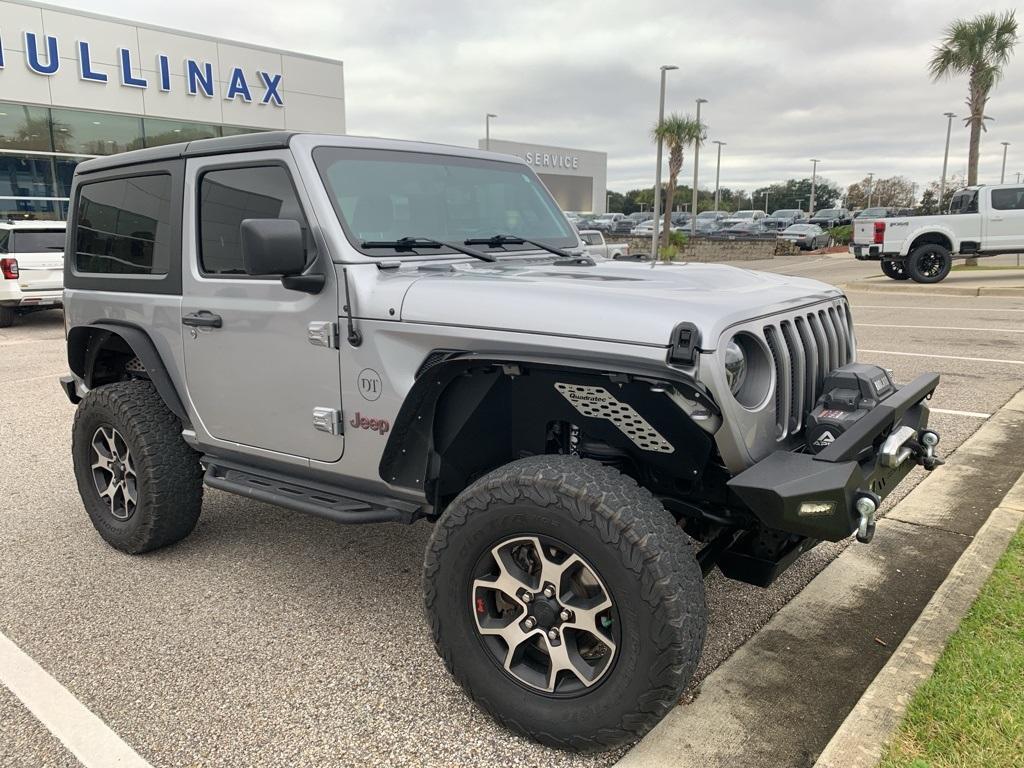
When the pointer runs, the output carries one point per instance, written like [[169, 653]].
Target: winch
[[848, 394]]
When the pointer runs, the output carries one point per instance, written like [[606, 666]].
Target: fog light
[[816, 508]]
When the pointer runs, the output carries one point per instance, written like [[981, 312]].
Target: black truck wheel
[[141, 484], [897, 270], [566, 601], [929, 263]]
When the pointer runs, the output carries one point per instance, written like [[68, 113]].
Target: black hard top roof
[[247, 142]]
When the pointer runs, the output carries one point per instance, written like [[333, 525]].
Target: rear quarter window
[[123, 226], [1008, 199]]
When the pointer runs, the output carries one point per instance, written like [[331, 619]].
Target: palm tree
[[979, 48], [677, 132]]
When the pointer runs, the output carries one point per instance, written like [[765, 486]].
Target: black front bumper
[[815, 495]]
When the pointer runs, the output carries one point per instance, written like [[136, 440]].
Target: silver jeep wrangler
[[380, 331]]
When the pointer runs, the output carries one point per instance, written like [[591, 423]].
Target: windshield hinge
[[323, 333]]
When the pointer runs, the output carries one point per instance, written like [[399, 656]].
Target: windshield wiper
[[496, 241], [414, 243]]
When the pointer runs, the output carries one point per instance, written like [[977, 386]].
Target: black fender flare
[[86, 341], [406, 460]]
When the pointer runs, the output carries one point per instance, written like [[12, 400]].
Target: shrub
[[678, 239], [842, 235]]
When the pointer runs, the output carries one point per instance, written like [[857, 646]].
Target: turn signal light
[[9, 268], [879, 232]]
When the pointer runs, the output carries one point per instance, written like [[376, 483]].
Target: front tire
[[897, 270], [566, 601], [929, 263], [7, 316], [141, 484]]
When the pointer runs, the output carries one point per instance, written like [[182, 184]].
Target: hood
[[612, 301]]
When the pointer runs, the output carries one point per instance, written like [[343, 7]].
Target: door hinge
[[323, 333], [328, 420]]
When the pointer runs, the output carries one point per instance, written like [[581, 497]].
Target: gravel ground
[[270, 638]]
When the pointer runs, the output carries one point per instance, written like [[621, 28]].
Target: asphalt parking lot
[[269, 638]]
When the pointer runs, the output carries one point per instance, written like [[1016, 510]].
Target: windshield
[[871, 212], [743, 215], [785, 213], [828, 212], [708, 215], [385, 195], [798, 228], [36, 241]]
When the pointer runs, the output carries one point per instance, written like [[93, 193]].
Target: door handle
[[202, 319]]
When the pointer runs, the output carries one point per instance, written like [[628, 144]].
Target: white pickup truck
[[594, 244], [982, 221]]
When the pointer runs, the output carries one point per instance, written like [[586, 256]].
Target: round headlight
[[735, 366]]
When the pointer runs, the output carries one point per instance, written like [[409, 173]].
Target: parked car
[[595, 245], [569, 428], [743, 217], [744, 229], [809, 237], [982, 221], [31, 267], [606, 221], [643, 229], [784, 217], [680, 218], [710, 221], [623, 226], [827, 218]]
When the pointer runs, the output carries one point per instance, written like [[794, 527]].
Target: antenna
[[355, 338]]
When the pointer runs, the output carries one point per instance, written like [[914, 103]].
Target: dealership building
[[75, 85], [577, 178]]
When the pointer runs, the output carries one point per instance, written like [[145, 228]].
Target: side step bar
[[338, 504]]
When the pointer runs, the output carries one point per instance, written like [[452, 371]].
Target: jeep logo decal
[[382, 426]]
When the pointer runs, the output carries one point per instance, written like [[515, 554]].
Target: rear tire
[[897, 270], [534, 514], [141, 484], [929, 263], [7, 316]]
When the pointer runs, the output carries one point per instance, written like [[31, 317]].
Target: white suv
[[31, 267]]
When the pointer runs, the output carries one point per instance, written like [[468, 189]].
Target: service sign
[[43, 57]]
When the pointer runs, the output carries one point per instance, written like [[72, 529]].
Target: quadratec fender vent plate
[[599, 403]]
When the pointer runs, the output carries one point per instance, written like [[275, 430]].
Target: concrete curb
[[937, 290], [861, 739]]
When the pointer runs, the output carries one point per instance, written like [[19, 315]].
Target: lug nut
[[530, 622], [565, 615], [552, 634], [549, 591], [526, 597]]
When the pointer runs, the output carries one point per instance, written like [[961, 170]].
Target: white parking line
[[942, 357], [972, 414], [939, 327], [86, 736], [942, 309]]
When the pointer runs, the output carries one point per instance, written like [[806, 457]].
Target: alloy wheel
[[113, 472]]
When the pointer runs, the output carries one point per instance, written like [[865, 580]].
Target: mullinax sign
[[42, 56]]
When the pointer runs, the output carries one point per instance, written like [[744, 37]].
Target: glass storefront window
[[24, 127], [26, 176], [160, 132], [95, 133], [236, 130]]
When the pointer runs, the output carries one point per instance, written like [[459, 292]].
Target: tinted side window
[[123, 226], [229, 196], [1008, 199], [964, 201]]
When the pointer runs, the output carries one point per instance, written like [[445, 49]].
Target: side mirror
[[272, 247]]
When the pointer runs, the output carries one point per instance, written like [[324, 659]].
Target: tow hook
[[867, 508], [906, 443]]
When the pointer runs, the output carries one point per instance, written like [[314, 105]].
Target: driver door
[[253, 375]]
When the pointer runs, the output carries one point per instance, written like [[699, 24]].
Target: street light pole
[[871, 188], [657, 173], [487, 131], [814, 182], [718, 170], [945, 158], [1002, 175], [696, 160]]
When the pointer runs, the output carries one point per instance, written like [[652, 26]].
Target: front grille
[[805, 347]]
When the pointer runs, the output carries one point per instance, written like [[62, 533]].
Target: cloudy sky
[[786, 81]]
